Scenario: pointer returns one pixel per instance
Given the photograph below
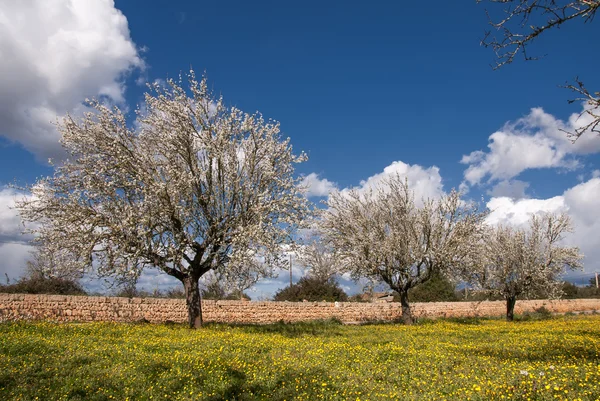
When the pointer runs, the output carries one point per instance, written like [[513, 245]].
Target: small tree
[[519, 263], [385, 236], [524, 21], [322, 260], [194, 183]]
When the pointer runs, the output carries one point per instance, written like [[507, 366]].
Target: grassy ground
[[478, 360]]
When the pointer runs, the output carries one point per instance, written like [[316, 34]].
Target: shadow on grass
[[237, 386], [457, 320], [558, 351], [331, 327], [540, 314]]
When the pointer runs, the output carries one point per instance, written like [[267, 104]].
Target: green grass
[[465, 359]]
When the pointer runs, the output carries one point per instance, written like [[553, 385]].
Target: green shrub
[[540, 313], [436, 289], [44, 285], [312, 289]]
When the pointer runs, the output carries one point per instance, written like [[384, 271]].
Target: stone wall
[[84, 309]]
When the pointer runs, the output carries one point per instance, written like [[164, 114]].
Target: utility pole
[[291, 283], [596, 279]]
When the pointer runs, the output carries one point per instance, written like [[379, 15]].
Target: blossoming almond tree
[[320, 258], [192, 187], [382, 234], [525, 262]]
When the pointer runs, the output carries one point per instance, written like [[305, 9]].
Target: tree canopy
[[384, 235], [190, 187], [517, 263]]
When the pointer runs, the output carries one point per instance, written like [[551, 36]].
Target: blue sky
[[360, 87]]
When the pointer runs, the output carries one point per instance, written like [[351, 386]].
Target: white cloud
[[580, 202], [535, 141], [514, 189], [316, 186], [152, 279], [509, 155], [14, 246], [509, 211], [425, 182], [13, 259], [10, 222], [463, 188], [55, 53], [583, 201]]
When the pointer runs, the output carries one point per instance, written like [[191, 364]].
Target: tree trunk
[[510, 308], [192, 300], [407, 317]]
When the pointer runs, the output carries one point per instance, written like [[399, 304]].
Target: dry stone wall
[[64, 308]]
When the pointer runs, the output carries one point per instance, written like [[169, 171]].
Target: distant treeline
[[437, 289]]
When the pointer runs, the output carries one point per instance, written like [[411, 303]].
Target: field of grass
[[477, 360]]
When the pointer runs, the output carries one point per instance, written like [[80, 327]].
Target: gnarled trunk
[[510, 308], [192, 300], [407, 317]]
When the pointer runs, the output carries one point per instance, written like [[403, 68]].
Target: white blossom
[[322, 260], [193, 182], [516, 263], [382, 235]]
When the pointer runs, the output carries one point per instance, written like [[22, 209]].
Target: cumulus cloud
[[55, 53], [535, 141], [507, 211], [14, 246], [509, 155], [316, 186], [425, 182], [583, 203], [10, 223], [514, 189], [580, 202], [13, 258]]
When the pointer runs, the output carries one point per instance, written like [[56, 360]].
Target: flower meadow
[[556, 359]]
